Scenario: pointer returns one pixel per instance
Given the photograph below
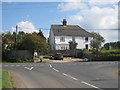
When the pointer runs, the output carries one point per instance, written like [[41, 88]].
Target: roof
[[69, 30]]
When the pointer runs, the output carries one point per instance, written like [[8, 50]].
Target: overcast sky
[[93, 15]]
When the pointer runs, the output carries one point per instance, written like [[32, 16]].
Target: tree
[[33, 42], [40, 33], [112, 45], [8, 41], [97, 40], [72, 45]]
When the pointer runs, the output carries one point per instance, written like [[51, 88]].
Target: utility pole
[[16, 39]]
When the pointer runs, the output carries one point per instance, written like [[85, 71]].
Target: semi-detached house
[[60, 35]]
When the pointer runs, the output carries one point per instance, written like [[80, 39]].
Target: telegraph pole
[[16, 39]]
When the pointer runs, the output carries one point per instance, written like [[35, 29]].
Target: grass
[[6, 79], [119, 73], [0, 79], [108, 51]]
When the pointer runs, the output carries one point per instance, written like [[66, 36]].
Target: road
[[95, 75]]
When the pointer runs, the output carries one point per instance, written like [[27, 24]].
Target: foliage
[[97, 40], [72, 45], [112, 45], [33, 42], [103, 57], [118, 73], [8, 41], [86, 51]]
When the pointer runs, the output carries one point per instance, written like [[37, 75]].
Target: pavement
[[95, 75]]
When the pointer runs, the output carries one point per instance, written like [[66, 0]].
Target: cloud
[[25, 26], [71, 5], [76, 19], [102, 2], [95, 17]]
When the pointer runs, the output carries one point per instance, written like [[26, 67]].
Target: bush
[[86, 51], [104, 57]]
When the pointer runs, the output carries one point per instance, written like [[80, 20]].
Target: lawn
[[5, 79], [108, 51], [118, 73]]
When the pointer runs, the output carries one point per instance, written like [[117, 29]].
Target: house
[[60, 35]]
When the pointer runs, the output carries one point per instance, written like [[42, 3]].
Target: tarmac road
[[95, 75]]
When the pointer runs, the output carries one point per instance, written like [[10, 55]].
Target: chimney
[[64, 22]]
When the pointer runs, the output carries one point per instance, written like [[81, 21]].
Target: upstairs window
[[86, 39], [62, 39], [73, 39]]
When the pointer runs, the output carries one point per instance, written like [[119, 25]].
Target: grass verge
[[119, 73], [6, 80]]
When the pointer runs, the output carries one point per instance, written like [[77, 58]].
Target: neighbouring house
[[60, 35]]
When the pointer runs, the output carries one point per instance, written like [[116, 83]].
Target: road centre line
[[55, 70], [50, 65], [17, 65], [6, 65], [12, 65], [36, 65], [70, 76], [23, 65], [91, 85]]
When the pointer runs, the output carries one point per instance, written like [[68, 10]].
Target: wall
[[21, 54], [51, 40], [80, 40]]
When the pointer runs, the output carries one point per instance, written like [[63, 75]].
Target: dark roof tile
[[69, 30]]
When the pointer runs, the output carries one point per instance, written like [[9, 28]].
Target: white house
[[60, 35]]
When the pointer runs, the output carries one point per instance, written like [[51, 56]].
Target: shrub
[[104, 57], [86, 51]]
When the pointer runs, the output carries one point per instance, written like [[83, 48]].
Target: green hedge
[[104, 57]]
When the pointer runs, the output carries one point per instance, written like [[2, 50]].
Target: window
[[73, 39], [86, 46], [86, 38], [62, 39]]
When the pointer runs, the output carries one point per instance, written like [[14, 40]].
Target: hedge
[[104, 57]]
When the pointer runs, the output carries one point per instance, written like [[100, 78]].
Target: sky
[[99, 16]]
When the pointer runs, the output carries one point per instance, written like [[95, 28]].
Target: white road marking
[[17, 65], [6, 65], [90, 85], [70, 76], [50, 65], [55, 70], [23, 65], [36, 65], [29, 68], [12, 65], [30, 65]]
